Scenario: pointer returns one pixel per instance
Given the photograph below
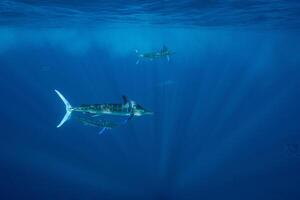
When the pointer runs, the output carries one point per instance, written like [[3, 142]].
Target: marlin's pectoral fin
[[168, 58], [137, 62], [95, 115], [128, 119], [102, 130]]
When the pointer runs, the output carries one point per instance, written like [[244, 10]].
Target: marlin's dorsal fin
[[125, 99]]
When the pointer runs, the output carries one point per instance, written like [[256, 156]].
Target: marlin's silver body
[[163, 53], [112, 109], [128, 108]]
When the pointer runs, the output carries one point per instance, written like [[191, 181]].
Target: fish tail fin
[[68, 109], [138, 55]]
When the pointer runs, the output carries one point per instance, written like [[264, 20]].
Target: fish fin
[[125, 99], [95, 115], [128, 119], [138, 60], [168, 58], [102, 130], [131, 116], [68, 109]]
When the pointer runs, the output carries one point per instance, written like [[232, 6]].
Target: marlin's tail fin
[[68, 109], [138, 60]]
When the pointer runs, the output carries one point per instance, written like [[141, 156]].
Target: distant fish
[[163, 53], [128, 108]]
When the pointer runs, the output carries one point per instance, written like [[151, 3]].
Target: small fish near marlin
[[99, 123], [163, 53], [128, 108]]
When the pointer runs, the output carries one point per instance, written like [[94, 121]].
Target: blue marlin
[[163, 53], [127, 108]]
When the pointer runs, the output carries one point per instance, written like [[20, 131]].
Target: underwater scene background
[[226, 105]]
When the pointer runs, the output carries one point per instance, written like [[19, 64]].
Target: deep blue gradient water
[[226, 107]]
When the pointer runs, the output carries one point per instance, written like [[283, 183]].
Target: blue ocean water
[[226, 106]]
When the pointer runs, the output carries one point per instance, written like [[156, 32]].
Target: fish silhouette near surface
[[163, 53]]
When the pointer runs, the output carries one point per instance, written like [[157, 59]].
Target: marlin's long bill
[[68, 109]]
